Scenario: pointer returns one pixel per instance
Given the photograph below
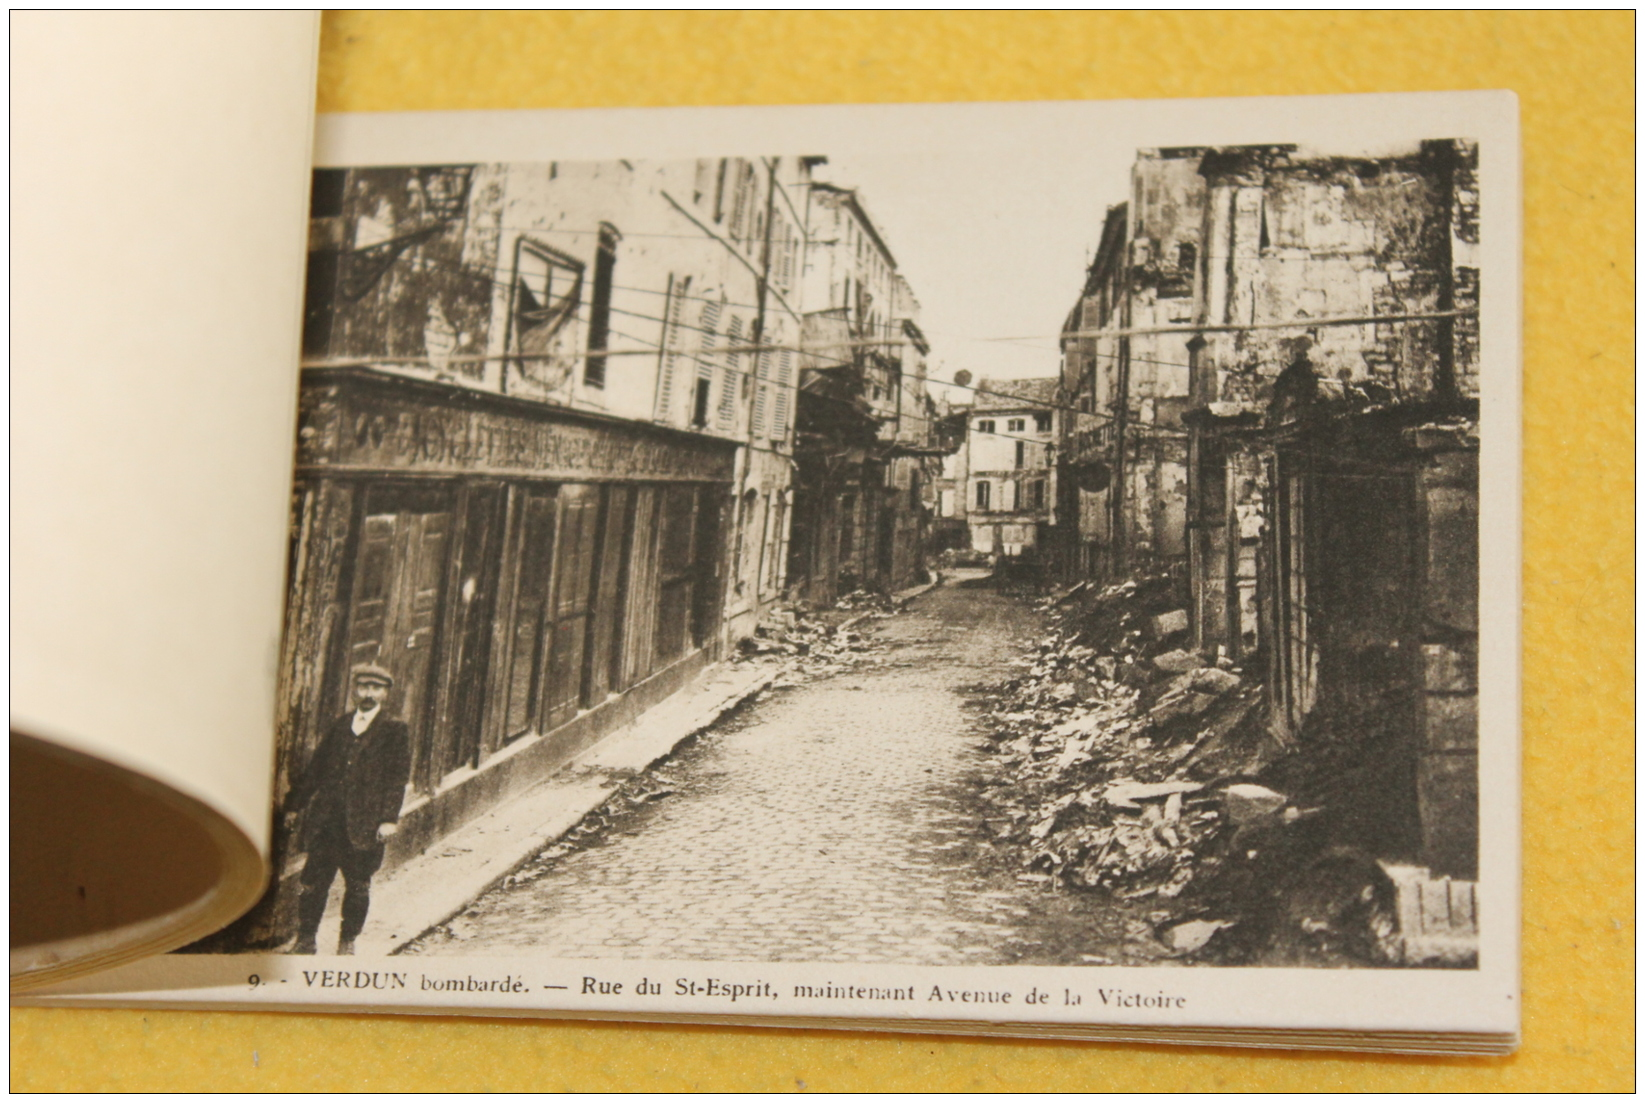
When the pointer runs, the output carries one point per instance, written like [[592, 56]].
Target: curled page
[[159, 187]]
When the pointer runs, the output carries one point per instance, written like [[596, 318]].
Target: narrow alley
[[834, 820]]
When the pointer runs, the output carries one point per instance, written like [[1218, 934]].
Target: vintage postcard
[[1048, 569]]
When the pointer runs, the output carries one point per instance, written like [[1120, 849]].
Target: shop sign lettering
[[384, 436]]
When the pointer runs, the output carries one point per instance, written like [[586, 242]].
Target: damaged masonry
[[1291, 485], [707, 622]]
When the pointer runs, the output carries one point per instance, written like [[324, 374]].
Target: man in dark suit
[[352, 789]]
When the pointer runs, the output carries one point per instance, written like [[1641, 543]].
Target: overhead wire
[[731, 350], [801, 240], [490, 275]]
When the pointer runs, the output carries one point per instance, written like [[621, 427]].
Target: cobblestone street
[[830, 821]]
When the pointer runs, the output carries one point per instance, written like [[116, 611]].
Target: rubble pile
[[1130, 766], [1105, 781], [813, 648], [865, 600]]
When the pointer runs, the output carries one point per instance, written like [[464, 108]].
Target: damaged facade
[[867, 443], [537, 480], [1124, 454], [1300, 459]]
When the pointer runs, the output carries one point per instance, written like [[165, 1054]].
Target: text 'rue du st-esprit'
[[761, 989]]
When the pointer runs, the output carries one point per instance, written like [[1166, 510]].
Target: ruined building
[[865, 444], [1273, 370]]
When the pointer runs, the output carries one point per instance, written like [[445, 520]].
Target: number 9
[[254, 980]]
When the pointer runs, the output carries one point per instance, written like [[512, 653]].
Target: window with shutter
[[708, 340], [726, 412], [762, 400], [785, 257], [784, 392], [752, 214], [668, 378], [742, 201]]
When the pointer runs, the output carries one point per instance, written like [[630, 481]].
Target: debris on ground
[[1193, 935], [1131, 766], [866, 600], [1103, 781], [813, 648]]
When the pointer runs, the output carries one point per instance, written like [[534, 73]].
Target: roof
[[1025, 395], [854, 201]]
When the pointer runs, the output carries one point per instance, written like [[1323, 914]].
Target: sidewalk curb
[[456, 870]]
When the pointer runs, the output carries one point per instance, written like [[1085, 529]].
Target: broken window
[[548, 286], [1177, 279]]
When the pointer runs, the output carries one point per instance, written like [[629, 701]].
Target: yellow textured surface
[[1574, 76]]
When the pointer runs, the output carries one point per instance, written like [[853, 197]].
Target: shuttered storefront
[[517, 567]]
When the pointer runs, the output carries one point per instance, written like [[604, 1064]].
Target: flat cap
[[373, 672]]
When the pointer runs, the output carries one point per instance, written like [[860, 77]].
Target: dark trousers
[[330, 852]]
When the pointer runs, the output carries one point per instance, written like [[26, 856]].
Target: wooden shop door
[[394, 611]]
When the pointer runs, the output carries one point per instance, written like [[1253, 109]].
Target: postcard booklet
[[1041, 569]]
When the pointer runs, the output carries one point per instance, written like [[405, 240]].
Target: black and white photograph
[[888, 560]]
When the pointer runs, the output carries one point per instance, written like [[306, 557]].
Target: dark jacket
[[367, 788]]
